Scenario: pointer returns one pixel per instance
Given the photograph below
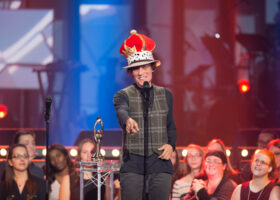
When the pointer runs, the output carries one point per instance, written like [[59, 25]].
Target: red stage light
[[244, 85], [3, 111]]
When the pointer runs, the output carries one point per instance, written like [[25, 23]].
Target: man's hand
[[131, 126], [167, 151]]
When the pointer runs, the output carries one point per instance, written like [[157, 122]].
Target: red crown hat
[[138, 50]]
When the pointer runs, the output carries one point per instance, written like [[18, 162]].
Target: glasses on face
[[261, 162], [18, 156], [216, 162], [194, 156]]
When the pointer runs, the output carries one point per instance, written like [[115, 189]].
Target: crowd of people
[[207, 172], [22, 179]]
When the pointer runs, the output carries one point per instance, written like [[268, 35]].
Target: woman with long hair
[[193, 162], [215, 184], [71, 182], [260, 187], [60, 164], [19, 183]]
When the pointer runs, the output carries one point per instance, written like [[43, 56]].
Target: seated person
[[28, 139], [217, 144], [265, 136], [193, 162], [59, 165], [19, 183], [215, 184], [260, 187], [274, 147]]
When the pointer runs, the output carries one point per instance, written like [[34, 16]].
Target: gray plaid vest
[[157, 118]]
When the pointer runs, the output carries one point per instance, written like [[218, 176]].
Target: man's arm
[[171, 127], [121, 105]]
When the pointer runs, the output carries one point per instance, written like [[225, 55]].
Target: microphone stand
[[146, 131], [47, 120]]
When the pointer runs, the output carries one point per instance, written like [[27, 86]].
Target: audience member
[[274, 147], [70, 185], [193, 162], [217, 144], [215, 184], [178, 173], [260, 187], [265, 136], [59, 165], [28, 139], [19, 183]]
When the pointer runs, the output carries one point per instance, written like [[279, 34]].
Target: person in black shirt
[[145, 113], [19, 183]]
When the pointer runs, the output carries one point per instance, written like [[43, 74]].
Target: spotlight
[[217, 35], [3, 111], [244, 153], [103, 152], [184, 152], [3, 152], [228, 152], [73, 152], [115, 152], [244, 85], [44, 152]]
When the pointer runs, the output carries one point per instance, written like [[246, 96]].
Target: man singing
[[145, 113]]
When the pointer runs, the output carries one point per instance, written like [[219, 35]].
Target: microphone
[[146, 87], [48, 103]]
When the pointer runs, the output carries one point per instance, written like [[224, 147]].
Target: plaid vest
[[157, 130]]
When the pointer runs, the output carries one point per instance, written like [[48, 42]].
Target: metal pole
[[112, 186], [81, 181], [98, 182]]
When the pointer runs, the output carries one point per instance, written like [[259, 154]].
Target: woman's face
[[19, 161], [260, 165], [194, 158], [214, 166], [214, 146], [58, 160], [86, 152]]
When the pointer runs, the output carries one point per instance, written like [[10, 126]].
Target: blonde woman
[[193, 162]]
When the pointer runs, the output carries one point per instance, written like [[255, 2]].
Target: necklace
[[258, 196]]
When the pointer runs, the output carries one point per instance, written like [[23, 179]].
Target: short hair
[[218, 154], [272, 132], [21, 133], [130, 70]]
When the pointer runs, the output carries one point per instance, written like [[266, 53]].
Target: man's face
[[141, 74], [264, 139], [276, 151], [29, 142]]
